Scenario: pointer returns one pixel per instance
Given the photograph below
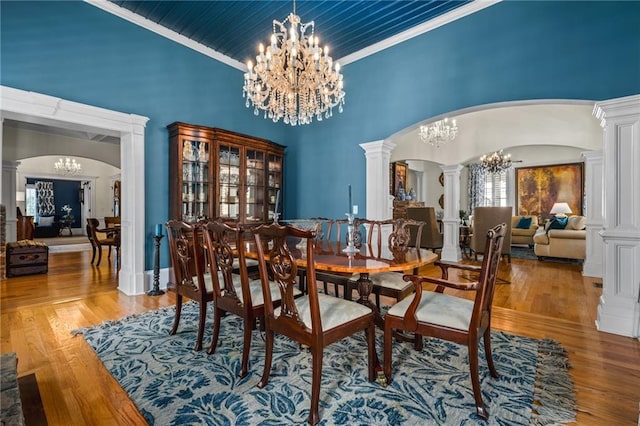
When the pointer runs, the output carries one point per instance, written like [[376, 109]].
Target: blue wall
[[509, 51]]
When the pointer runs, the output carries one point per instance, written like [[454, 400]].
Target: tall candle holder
[[156, 268], [350, 248], [276, 217]]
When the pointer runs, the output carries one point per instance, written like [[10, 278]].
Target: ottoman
[[27, 257]]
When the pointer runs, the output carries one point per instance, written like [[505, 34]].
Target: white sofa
[[569, 243]]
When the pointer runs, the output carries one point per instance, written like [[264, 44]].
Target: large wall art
[[537, 188]]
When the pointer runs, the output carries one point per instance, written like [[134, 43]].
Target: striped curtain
[[44, 198]]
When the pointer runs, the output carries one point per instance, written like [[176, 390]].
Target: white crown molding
[[425, 27], [126, 14]]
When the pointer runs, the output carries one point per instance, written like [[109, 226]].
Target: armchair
[[47, 227], [484, 219]]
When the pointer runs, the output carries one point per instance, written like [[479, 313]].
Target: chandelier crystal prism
[[498, 162], [439, 133], [67, 166], [294, 79]]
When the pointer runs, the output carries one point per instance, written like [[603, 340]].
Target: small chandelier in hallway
[[67, 166], [498, 162], [440, 132]]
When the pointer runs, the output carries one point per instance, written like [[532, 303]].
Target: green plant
[[464, 215]]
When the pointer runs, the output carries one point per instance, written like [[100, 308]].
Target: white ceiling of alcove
[[487, 130]]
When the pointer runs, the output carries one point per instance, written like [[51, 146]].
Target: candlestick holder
[[351, 247], [276, 217], [156, 268]]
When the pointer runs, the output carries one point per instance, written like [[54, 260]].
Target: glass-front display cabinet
[[217, 173]]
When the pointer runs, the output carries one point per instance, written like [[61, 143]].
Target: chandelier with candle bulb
[[498, 162], [440, 132], [67, 166], [293, 79]]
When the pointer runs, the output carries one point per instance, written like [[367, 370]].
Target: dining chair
[[189, 272], [314, 319], [92, 242], [399, 239], [94, 231], [234, 293], [449, 317]]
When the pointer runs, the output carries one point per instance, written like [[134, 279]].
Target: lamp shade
[[560, 209], [19, 196]]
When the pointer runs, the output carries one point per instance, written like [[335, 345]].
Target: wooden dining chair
[[234, 293], [100, 239], [315, 319], [389, 284], [447, 317], [190, 277]]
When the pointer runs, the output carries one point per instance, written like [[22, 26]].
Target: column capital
[[378, 147]]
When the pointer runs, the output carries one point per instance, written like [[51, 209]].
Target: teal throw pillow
[[524, 223], [558, 222]]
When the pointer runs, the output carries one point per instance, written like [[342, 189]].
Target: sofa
[[523, 228], [568, 243], [47, 227]]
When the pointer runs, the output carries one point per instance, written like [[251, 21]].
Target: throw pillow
[[558, 222], [577, 223], [524, 223], [45, 221]]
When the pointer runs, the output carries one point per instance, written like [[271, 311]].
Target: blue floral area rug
[[173, 385]]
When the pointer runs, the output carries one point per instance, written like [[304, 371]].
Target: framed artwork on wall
[[398, 174], [539, 187]]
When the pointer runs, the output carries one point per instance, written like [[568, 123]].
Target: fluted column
[[451, 221], [619, 308]]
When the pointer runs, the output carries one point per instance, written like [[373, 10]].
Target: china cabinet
[[218, 173]]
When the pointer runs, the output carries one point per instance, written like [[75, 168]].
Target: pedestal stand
[[156, 268]]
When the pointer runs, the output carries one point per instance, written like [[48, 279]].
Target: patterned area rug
[[521, 252], [173, 385]]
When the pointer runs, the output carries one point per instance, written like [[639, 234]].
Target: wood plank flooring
[[544, 299]]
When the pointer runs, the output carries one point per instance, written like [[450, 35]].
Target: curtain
[[475, 185], [44, 198]]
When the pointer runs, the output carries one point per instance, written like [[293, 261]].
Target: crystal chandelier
[[67, 166], [293, 78], [439, 132], [497, 162]]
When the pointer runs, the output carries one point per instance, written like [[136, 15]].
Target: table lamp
[[560, 209]]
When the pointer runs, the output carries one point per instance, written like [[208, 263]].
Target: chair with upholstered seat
[[484, 219], [190, 272], [315, 319], [99, 239], [447, 317], [234, 293]]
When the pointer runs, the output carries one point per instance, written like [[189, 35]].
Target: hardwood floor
[[544, 299]]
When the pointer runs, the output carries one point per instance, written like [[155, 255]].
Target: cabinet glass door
[[273, 184], [195, 180], [255, 186], [229, 182]]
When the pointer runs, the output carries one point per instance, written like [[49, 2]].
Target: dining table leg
[[365, 286]]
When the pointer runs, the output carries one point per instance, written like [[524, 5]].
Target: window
[[495, 190], [30, 201]]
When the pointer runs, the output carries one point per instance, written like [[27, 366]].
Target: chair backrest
[[399, 234], [276, 260], [223, 240], [111, 221], [324, 228], [340, 235], [187, 258], [92, 225], [494, 241], [484, 219], [431, 236]]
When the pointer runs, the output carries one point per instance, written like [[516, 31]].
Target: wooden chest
[[27, 257]]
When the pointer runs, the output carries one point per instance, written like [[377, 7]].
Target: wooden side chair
[[315, 320], [100, 239], [234, 293], [92, 242], [189, 270], [456, 319], [389, 284]]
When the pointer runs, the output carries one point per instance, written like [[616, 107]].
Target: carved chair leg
[[246, 349], [316, 362], [388, 339], [475, 379], [370, 332], [268, 356], [201, 320], [488, 354], [217, 315], [176, 318]]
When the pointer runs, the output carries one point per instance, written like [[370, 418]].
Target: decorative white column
[[593, 178], [619, 308], [378, 155], [451, 221], [9, 169]]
